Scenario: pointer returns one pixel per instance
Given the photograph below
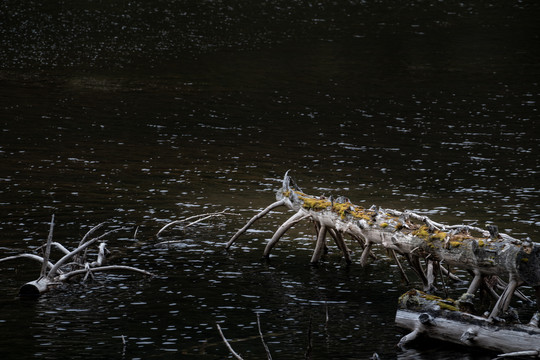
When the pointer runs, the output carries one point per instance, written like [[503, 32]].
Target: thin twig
[[201, 217], [227, 343], [70, 274], [307, 355], [262, 339], [84, 239], [253, 219], [124, 344], [90, 232], [47, 249]]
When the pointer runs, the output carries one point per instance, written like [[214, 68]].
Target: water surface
[[140, 113]]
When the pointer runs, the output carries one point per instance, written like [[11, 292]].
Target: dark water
[[141, 113]]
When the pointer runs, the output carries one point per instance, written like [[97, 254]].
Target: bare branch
[[227, 344], [70, 274], [200, 218], [268, 354], [47, 249], [255, 218], [90, 232], [66, 257], [28, 256]]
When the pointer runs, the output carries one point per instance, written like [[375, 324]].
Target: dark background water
[[146, 112]]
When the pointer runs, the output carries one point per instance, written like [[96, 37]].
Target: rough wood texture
[[430, 316]]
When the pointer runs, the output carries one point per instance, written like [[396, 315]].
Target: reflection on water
[[144, 112]]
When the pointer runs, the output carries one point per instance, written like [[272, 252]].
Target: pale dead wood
[[70, 264], [268, 354], [253, 219], [196, 219], [425, 244], [430, 316], [47, 252], [231, 350]]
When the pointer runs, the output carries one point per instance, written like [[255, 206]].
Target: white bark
[[259, 215], [469, 330], [61, 271], [199, 218]]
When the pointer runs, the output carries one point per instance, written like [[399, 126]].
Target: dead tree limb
[[71, 264], [272, 206], [234, 353], [195, 219], [47, 249], [299, 216], [268, 354]]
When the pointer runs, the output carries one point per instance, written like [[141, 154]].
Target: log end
[[29, 291], [34, 289]]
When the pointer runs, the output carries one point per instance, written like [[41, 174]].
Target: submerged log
[[430, 316], [73, 263]]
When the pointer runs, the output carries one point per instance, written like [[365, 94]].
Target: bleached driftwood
[[72, 264], [424, 244], [192, 220], [234, 353], [430, 316]]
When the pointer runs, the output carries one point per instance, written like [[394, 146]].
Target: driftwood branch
[[268, 354], [520, 354], [67, 276], [259, 215], [47, 249], [71, 264], [28, 256], [82, 247], [195, 219], [234, 353]]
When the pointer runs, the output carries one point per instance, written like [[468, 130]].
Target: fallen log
[[430, 316], [427, 246], [73, 263]]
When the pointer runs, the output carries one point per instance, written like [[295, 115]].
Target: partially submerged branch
[[194, 220], [234, 353], [47, 249], [259, 215], [71, 264]]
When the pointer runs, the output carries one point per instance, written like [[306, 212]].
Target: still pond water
[[140, 113]]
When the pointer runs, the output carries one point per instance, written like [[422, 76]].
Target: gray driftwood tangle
[[71, 264]]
